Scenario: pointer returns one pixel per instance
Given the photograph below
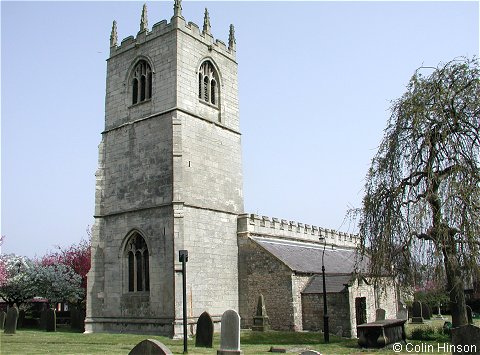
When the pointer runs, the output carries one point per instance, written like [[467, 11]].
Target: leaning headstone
[[426, 311], [50, 320], [469, 315], [11, 321], [204, 336], [230, 334], [3, 315], [467, 339], [260, 319], [379, 314], [417, 312], [150, 347]]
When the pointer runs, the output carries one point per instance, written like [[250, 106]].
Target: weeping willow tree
[[422, 192]]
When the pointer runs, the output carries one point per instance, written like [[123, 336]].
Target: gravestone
[[230, 334], [260, 319], [426, 311], [310, 352], [204, 336], [11, 321], [379, 314], [150, 347], [467, 339], [21, 318], [439, 314], [43, 319], [3, 315], [77, 319], [469, 315], [50, 320], [417, 312]]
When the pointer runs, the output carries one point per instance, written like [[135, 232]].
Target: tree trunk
[[455, 288]]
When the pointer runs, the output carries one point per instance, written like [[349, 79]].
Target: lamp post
[[183, 258], [326, 335]]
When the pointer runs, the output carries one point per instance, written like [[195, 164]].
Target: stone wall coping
[[272, 226]]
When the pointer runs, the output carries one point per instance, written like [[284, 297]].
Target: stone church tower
[[169, 178]]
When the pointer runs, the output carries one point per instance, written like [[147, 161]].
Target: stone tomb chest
[[380, 333]]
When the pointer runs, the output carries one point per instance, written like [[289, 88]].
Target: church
[[169, 178]]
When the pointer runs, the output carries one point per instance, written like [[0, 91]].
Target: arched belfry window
[[138, 263], [208, 83], [141, 82]]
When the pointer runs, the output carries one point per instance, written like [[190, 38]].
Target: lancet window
[[141, 82], [208, 83], [138, 275]]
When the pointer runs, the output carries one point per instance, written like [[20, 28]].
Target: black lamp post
[[183, 258], [326, 335]]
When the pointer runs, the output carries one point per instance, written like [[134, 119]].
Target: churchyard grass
[[64, 341]]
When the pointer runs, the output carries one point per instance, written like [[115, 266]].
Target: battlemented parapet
[[177, 22], [252, 224]]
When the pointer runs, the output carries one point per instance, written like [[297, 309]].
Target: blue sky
[[316, 80]]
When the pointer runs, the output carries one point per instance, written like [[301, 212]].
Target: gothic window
[[208, 83], [141, 82], [138, 264]]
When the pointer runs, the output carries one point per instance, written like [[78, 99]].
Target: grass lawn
[[64, 341]]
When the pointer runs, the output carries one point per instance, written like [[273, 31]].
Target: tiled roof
[[333, 283], [307, 257]]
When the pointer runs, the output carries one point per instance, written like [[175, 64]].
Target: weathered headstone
[[50, 320], [417, 312], [77, 319], [260, 319], [277, 350], [467, 339], [3, 315], [310, 352], [11, 321], [379, 314], [426, 311], [204, 336], [469, 315], [150, 347], [21, 318], [43, 319], [230, 334]]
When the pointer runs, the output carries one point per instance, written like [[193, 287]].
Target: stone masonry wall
[[112, 307], [338, 309], [361, 289], [299, 282], [261, 273]]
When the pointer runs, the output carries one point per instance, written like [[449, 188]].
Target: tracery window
[[141, 82], [208, 83], [137, 256]]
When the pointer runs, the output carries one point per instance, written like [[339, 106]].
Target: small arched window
[[208, 84], [142, 76], [138, 272]]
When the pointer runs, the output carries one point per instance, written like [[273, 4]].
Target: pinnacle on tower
[[144, 20], [177, 8], [206, 23], [231, 38], [113, 35]]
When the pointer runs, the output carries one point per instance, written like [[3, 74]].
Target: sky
[[316, 81]]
